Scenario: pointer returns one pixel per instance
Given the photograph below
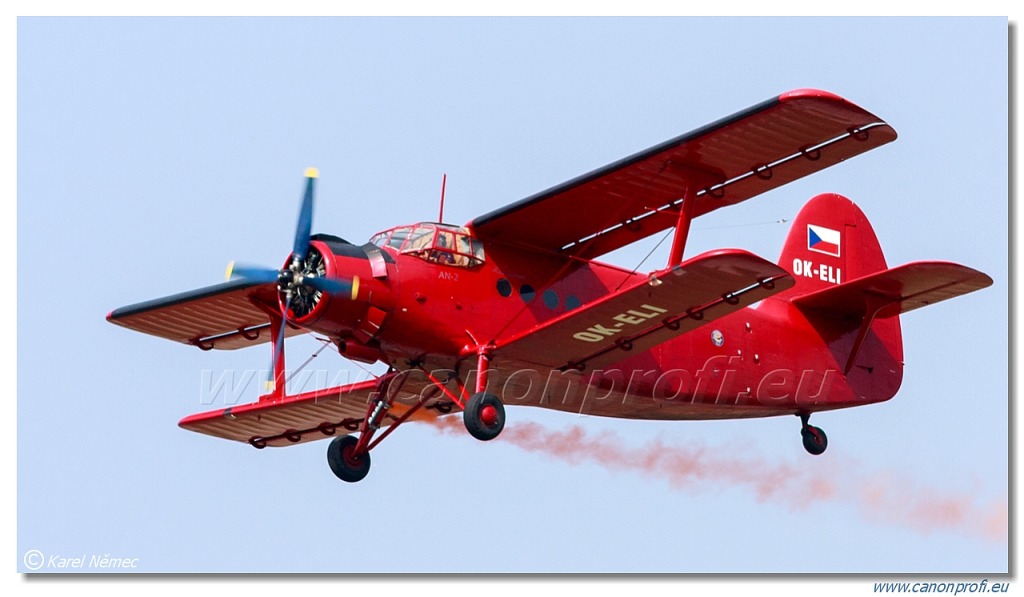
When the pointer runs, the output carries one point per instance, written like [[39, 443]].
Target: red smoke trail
[[889, 498]]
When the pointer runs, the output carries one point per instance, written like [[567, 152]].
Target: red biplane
[[514, 309]]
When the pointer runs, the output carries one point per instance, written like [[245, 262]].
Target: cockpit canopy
[[436, 243]]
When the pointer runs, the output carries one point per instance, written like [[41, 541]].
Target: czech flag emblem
[[823, 240]]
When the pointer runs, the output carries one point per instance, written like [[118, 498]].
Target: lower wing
[[303, 417]]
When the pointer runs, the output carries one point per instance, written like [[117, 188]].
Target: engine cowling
[[360, 314]]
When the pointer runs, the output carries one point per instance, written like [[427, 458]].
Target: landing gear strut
[[349, 456], [815, 440]]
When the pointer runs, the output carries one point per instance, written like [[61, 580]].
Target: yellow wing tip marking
[[227, 272], [312, 173]]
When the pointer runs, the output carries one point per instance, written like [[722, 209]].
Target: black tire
[[815, 440], [484, 416], [343, 460]]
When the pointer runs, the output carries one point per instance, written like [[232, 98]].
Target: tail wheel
[[815, 440], [484, 416], [347, 464]]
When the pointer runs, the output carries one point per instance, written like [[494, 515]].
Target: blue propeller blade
[[329, 285], [305, 226], [278, 346], [249, 272]]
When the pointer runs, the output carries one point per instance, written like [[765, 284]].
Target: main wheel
[[484, 416], [815, 440], [346, 464]]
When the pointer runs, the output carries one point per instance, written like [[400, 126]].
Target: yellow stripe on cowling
[[227, 273], [355, 287], [312, 173]]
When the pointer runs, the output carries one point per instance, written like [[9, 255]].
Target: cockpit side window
[[421, 239], [398, 236], [466, 251], [478, 249]]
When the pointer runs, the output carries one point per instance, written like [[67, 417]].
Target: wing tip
[[809, 92], [966, 273]]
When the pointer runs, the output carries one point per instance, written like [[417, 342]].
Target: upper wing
[[226, 316], [896, 290], [728, 161], [303, 417], [668, 304]]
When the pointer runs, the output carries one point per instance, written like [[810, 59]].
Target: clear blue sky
[[153, 151]]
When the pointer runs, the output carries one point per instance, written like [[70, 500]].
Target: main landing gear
[[483, 414], [815, 440], [349, 456]]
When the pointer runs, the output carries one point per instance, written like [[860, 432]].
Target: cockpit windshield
[[436, 243]]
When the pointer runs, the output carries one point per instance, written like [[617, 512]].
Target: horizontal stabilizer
[[668, 304], [895, 291], [225, 316]]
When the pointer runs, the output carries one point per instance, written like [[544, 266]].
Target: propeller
[[303, 279]]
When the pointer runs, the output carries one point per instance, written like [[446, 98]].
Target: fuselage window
[[550, 299]]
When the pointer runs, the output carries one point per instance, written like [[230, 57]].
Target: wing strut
[[675, 256], [275, 386], [696, 178]]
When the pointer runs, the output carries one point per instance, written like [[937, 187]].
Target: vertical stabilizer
[[830, 245], [831, 242]]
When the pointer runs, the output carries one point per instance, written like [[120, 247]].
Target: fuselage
[[438, 300]]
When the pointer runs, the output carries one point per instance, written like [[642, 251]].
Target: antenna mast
[[440, 216]]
